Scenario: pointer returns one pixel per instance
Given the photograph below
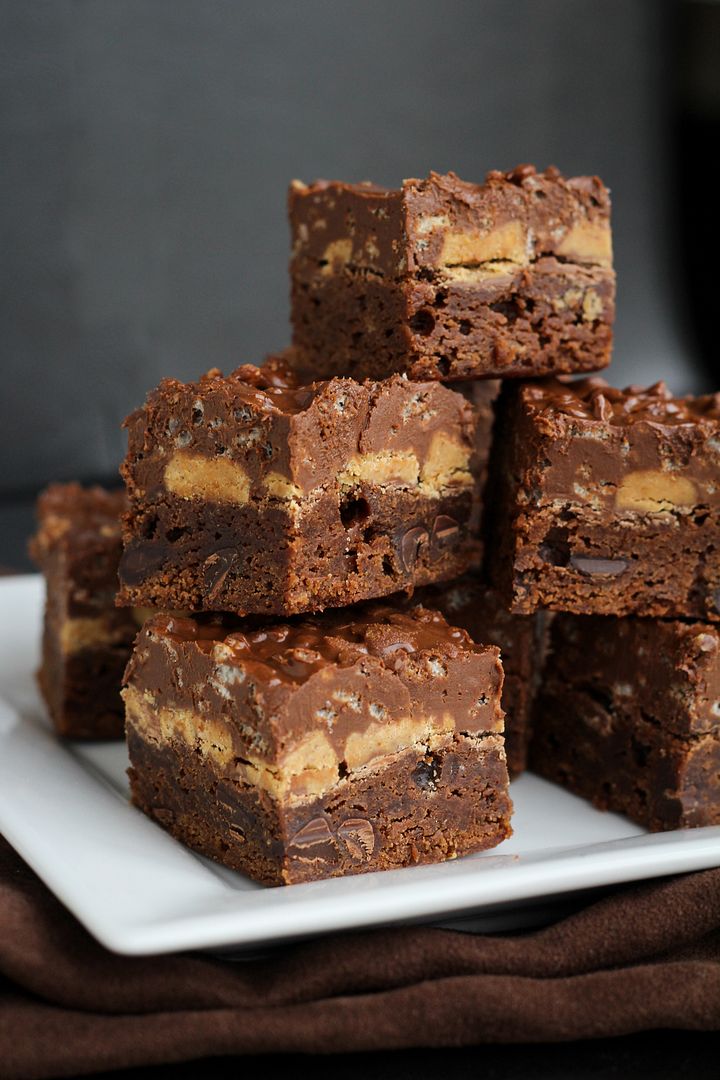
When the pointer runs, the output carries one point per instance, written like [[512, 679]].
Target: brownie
[[629, 717], [332, 745], [86, 639], [607, 500], [443, 279], [255, 495], [474, 606]]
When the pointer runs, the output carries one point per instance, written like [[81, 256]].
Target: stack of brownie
[[609, 513], [337, 561]]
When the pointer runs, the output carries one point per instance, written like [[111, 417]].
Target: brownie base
[[195, 556], [625, 762], [537, 322], [82, 691], [646, 567], [423, 808]]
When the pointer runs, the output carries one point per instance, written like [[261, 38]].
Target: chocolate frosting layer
[[546, 204], [262, 418], [615, 451], [322, 682]]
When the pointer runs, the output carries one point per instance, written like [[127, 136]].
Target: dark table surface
[[652, 1056]]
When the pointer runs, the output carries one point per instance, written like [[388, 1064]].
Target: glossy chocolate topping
[[593, 399], [292, 653], [395, 232], [260, 418], [333, 680], [272, 388]]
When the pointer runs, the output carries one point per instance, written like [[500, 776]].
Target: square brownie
[[629, 717], [343, 743], [609, 502], [255, 495], [86, 639], [443, 279], [522, 639]]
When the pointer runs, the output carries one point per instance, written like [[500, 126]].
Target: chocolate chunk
[[216, 569], [427, 773], [314, 833], [520, 173], [141, 558], [359, 836], [601, 407], [445, 531], [598, 567], [409, 546]]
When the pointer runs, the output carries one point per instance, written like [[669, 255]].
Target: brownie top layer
[[272, 388], [261, 419], [291, 653], [279, 386], [594, 401], [348, 686], [69, 514], [524, 177], [509, 220], [606, 452]]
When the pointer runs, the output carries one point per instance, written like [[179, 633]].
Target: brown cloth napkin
[[645, 957]]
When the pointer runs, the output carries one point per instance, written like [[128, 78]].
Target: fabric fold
[[644, 957]]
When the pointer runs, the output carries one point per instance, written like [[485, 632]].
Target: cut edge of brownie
[[604, 500], [222, 735], [626, 717], [258, 498]]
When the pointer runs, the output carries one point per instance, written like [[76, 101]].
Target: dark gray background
[[146, 147]]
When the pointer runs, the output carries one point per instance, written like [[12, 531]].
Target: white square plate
[[65, 809]]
